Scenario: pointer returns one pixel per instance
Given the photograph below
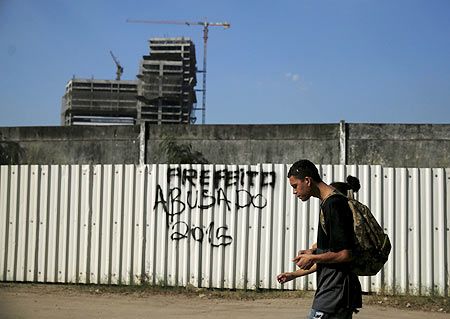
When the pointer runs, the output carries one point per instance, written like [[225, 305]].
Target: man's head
[[304, 168], [303, 175]]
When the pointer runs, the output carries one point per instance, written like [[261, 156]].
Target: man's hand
[[305, 252], [285, 277], [308, 251], [304, 261]]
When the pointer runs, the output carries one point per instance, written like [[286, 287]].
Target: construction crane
[[205, 25], [119, 67]]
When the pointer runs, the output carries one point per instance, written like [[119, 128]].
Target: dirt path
[[53, 302]]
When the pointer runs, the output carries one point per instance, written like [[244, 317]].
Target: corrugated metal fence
[[223, 226]]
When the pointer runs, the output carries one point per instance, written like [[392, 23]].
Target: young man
[[338, 292]]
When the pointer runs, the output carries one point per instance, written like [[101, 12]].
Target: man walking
[[338, 292]]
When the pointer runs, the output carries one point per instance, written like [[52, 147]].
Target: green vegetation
[[179, 153], [10, 153]]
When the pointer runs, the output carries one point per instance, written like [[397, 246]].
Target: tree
[[10, 153], [179, 153]]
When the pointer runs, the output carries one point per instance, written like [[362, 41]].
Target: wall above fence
[[74, 144], [389, 145]]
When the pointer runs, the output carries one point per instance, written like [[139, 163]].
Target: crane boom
[[224, 24], [161, 22], [205, 25], [119, 67]]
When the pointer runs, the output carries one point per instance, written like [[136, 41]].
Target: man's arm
[[308, 251], [288, 276], [305, 261], [339, 222]]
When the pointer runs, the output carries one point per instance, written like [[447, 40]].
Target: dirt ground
[[53, 301]]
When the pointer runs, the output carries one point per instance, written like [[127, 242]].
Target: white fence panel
[[221, 226]]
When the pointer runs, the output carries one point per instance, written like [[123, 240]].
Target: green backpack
[[372, 245]]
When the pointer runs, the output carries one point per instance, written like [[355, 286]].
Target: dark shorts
[[317, 314]]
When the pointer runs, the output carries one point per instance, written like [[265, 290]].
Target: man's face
[[301, 189]]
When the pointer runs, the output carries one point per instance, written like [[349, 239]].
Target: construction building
[[167, 78], [99, 102], [163, 93]]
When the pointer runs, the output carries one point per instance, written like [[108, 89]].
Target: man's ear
[[308, 180]]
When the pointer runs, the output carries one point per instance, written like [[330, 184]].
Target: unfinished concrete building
[[167, 78], [99, 102], [163, 93]]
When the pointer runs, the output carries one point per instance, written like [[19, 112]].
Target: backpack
[[372, 245]]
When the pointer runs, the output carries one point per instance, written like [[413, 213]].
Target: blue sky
[[281, 62]]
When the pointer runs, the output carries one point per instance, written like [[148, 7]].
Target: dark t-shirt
[[337, 287]]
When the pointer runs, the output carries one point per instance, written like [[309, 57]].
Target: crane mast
[[119, 67], [205, 25]]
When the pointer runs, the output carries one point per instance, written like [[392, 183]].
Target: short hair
[[303, 168]]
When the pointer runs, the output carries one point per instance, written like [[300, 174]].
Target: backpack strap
[[322, 221], [321, 215], [350, 194]]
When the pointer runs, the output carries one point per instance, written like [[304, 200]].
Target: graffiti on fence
[[204, 177], [202, 190]]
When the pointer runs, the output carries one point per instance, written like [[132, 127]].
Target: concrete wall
[[399, 145], [390, 145], [74, 144], [250, 144]]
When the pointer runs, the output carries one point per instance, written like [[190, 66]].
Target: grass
[[191, 291], [406, 301]]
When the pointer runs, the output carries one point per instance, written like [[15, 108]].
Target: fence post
[[342, 143], [142, 144]]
